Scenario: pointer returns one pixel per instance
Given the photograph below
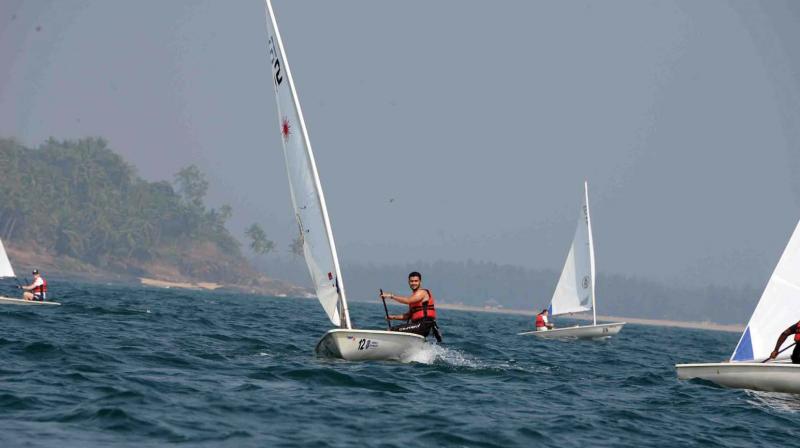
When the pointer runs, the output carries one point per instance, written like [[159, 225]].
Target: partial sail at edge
[[5, 264], [306, 191], [573, 293], [778, 308]]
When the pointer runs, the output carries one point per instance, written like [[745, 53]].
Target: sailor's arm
[[418, 296], [35, 283], [789, 331]]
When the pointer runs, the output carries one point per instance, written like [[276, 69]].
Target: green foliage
[[192, 185], [258, 240], [79, 198]]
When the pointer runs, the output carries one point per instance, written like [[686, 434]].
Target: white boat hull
[[369, 345], [10, 301], [579, 332], [768, 377]]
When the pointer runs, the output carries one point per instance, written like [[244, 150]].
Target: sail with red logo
[[311, 214], [314, 226]]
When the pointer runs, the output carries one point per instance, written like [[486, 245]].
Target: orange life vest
[[540, 321], [797, 332], [421, 310], [41, 289]]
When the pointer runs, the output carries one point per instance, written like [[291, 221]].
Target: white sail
[[575, 289], [5, 264], [307, 197], [778, 308]]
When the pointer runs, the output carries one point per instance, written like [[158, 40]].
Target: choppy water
[[126, 366]]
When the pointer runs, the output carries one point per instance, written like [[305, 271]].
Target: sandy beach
[[733, 328], [166, 284]]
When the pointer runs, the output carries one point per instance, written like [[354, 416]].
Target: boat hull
[[10, 301], [369, 345], [579, 332], [768, 377]]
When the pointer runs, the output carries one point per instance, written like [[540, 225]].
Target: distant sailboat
[[778, 308], [6, 271], [314, 226], [575, 290]]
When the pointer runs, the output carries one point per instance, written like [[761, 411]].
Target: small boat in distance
[[575, 290], [775, 312], [6, 271], [311, 212]]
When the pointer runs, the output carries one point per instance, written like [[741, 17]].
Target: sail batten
[[574, 292], [308, 200], [5, 264], [777, 309]]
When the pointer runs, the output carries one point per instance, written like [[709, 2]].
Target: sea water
[[136, 366]]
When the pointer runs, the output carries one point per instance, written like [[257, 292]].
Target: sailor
[[37, 290], [421, 316], [792, 330], [542, 324]]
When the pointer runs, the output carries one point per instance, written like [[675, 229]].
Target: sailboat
[[575, 290], [7, 271], [315, 230], [778, 308]]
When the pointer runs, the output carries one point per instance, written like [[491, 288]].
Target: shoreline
[[71, 269], [729, 328], [181, 285]]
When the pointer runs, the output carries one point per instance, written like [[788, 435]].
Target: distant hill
[[483, 283], [77, 207]]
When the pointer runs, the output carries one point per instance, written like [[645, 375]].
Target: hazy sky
[[479, 119]]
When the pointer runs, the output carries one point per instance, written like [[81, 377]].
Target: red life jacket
[[540, 321], [41, 289], [797, 332], [421, 310]]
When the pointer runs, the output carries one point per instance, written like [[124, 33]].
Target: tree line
[[485, 283], [80, 198]]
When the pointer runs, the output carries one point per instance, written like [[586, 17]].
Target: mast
[[314, 172], [591, 248]]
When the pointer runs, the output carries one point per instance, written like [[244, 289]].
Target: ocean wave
[[227, 370]]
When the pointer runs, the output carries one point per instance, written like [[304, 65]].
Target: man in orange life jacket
[[421, 309], [541, 321], [792, 330], [37, 290]]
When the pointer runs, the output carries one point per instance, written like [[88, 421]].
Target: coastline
[[158, 275], [181, 285], [730, 328]]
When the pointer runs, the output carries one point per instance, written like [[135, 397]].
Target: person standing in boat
[[542, 324], [37, 290], [794, 329], [421, 315]]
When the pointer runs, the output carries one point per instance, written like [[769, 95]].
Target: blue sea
[[133, 366]]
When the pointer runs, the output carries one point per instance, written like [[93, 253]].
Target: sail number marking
[[277, 76], [366, 344]]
